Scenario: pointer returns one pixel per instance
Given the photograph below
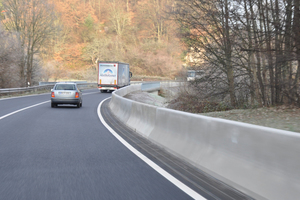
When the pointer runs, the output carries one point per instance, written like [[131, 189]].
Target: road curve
[[66, 153]]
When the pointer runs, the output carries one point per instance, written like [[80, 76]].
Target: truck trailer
[[113, 75]]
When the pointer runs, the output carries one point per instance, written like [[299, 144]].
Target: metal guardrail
[[146, 86], [33, 89], [83, 86], [25, 89], [52, 83], [158, 85]]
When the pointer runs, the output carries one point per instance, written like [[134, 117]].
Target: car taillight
[[52, 94], [76, 95]]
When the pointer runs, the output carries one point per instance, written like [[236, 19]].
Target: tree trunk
[[287, 67], [278, 53], [269, 52], [297, 44], [228, 51]]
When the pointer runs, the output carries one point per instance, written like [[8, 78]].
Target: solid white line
[[157, 168], [9, 114]]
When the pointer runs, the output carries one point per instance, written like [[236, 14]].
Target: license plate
[[64, 92]]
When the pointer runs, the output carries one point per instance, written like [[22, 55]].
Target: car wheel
[[78, 105], [53, 105]]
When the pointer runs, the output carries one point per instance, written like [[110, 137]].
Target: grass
[[280, 117]]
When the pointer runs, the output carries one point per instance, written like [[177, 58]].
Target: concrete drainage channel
[[261, 162]]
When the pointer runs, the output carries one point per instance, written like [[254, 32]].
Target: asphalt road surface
[[67, 153]]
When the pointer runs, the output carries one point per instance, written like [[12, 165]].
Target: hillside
[[233, 61], [136, 32]]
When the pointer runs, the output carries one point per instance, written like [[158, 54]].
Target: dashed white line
[[9, 114]]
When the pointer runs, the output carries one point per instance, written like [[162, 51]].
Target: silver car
[[66, 93]]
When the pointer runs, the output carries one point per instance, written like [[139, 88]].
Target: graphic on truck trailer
[[108, 72]]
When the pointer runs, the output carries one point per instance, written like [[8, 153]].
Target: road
[[67, 153]]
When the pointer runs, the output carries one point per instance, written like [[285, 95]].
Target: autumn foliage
[[137, 32]]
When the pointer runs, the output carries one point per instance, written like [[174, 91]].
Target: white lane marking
[[9, 114], [32, 95], [157, 168]]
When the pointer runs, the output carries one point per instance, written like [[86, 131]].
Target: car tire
[[78, 105], [53, 105]]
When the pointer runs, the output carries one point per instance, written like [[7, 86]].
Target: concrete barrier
[[262, 162], [150, 86], [142, 118]]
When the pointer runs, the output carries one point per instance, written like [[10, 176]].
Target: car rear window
[[65, 87]]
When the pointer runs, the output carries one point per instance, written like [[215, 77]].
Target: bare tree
[[10, 58], [254, 43], [208, 30], [118, 16], [34, 21], [295, 94], [104, 48], [153, 17]]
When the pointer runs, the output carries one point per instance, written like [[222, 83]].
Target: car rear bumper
[[65, 101]]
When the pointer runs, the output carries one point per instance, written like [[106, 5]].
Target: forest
[[75, 34], [248, 50]]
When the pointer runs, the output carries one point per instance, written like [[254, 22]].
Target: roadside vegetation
[[44, 40], [247, 50], [279, 117], [285, 117]]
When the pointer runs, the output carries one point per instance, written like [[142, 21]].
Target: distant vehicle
[[192, 75], [113, 75], [66, 93]]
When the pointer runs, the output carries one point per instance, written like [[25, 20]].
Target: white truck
[[113, 75]]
